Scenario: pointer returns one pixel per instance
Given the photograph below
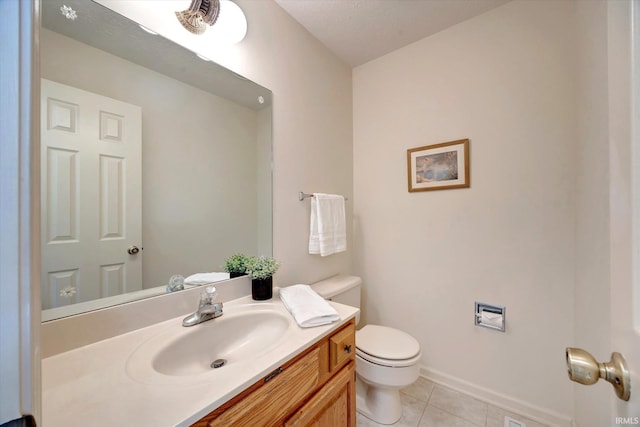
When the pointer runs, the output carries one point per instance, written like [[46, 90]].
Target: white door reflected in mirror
[[91, 195]]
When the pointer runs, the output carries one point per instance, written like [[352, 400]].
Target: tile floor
[[426, 404]]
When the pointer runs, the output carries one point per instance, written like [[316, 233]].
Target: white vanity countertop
[[90, 385]]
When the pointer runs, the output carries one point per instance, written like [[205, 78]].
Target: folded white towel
[[205, 278], [307, 307], [328, 224]]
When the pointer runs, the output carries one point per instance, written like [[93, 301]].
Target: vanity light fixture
[[230, 21], [200, 14]]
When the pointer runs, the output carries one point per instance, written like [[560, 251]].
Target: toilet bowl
[[386, 358], [386, 361]]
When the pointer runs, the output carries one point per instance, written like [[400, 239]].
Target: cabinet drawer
[[342, 347], [275, 398]]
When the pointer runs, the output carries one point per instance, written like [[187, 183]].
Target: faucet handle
[[208, 295], [176, 283], [208, 304], [207, 309]]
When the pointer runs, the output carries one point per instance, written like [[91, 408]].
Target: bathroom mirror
[[154, 161]]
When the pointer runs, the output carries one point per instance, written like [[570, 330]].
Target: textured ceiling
[[358, 31]]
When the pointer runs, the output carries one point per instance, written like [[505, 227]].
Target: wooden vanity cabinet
[[316, 388]]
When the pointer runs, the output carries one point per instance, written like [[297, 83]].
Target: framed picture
[[439, 166]]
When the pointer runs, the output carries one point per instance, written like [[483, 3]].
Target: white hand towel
[[328, 224], [205, 278], [307, 307]]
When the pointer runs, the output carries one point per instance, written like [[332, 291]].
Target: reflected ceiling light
[[230, 22], [147, 30], [204, 58], [68, 12]]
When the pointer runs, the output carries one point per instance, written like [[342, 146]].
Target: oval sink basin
[[238, 335]]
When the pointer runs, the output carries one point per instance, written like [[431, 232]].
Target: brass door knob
[[583, 368]]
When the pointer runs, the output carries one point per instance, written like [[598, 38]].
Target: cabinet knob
[[347, 348]]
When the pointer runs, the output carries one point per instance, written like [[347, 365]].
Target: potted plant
[[236, 265], [261, 270]]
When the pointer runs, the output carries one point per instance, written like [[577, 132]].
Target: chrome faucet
[[207, 308]]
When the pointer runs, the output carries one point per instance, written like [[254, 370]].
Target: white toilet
[[386, 358]]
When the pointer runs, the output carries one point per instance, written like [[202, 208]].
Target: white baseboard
[[516, 406]]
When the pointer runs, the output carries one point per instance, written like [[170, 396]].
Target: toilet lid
[[386, 343]]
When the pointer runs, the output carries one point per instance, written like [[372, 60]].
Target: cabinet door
[[332, 406]]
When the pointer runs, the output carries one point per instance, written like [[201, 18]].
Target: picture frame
[[439, 167]]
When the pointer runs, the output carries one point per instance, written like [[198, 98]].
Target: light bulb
[[231, 26]]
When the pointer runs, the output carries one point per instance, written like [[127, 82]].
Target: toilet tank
[[341, 289]]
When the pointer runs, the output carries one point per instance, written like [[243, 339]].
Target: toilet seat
[[388, 362], [387, 346]]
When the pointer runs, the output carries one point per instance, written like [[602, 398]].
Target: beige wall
[[312, 132], [506, 81], [264, 181], [194, 195]]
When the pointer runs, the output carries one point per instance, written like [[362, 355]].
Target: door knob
[[133, 250], [583, 368]]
